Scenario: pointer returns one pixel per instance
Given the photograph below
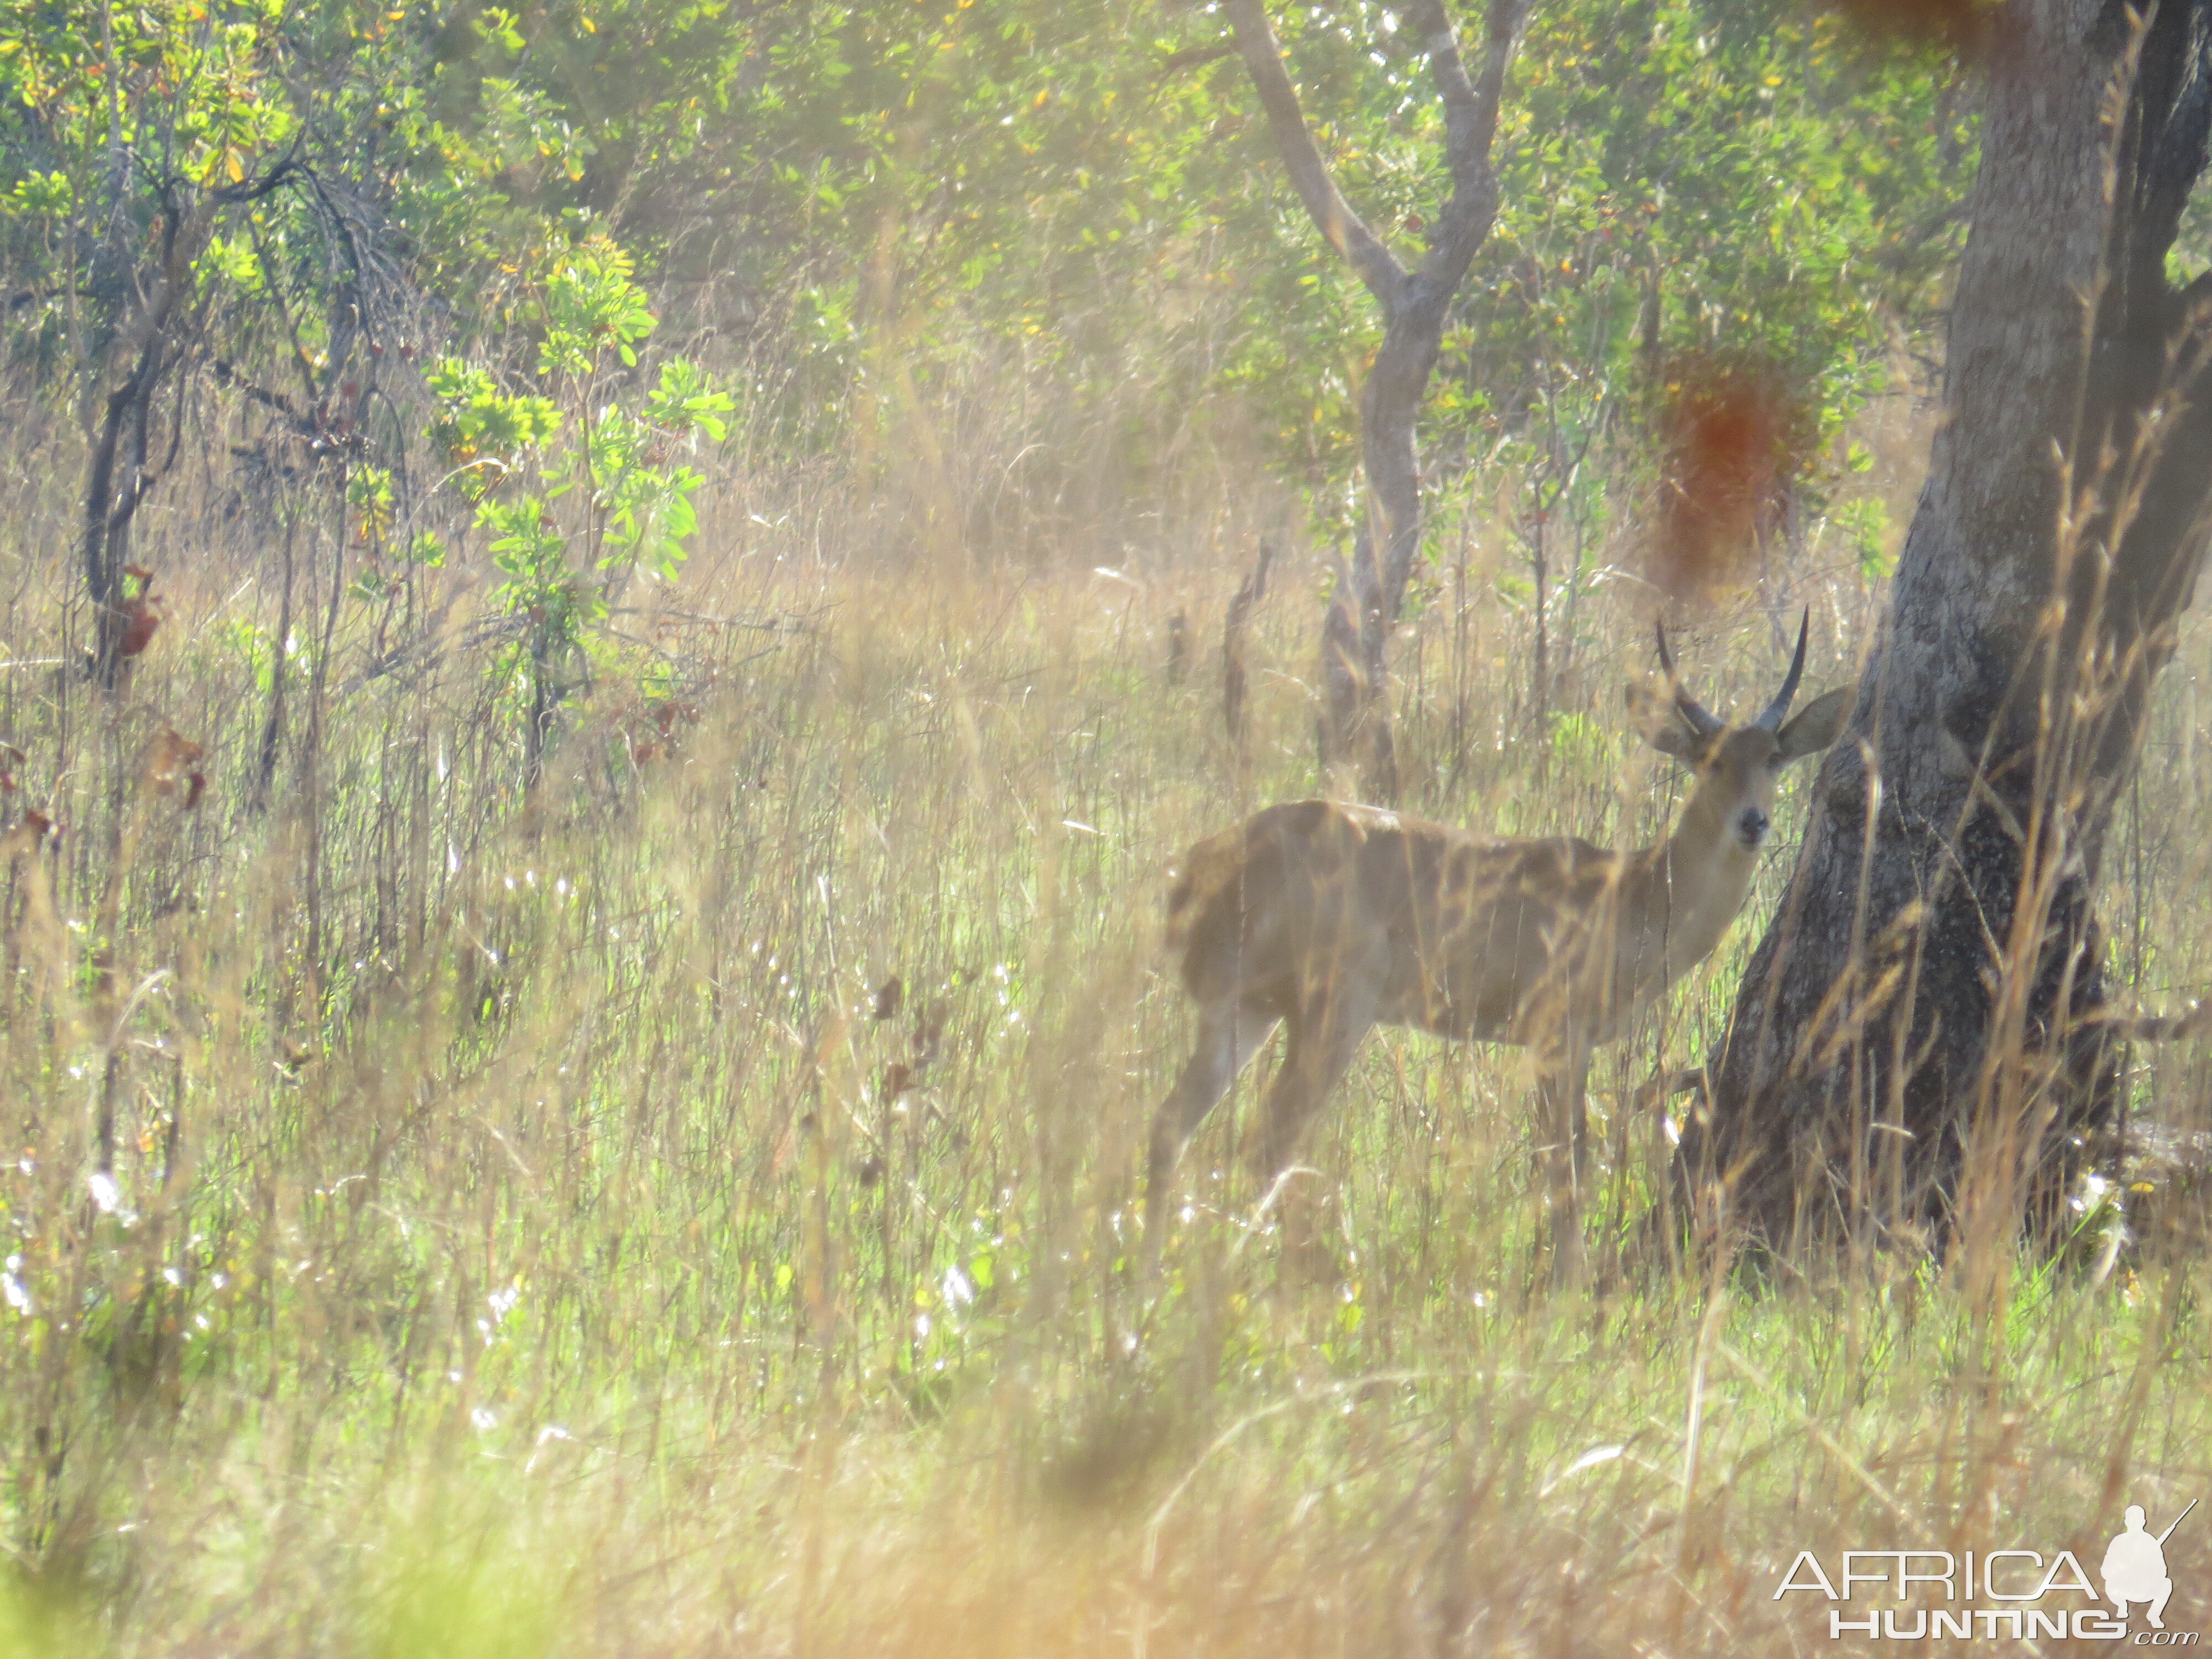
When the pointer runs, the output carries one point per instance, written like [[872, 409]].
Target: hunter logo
[[2028, 1591], [2134, 1566]]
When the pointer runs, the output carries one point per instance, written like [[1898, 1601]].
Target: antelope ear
[[1819, 724], [1655, 718]]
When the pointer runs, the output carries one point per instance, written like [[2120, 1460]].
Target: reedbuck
[[1330, 919]]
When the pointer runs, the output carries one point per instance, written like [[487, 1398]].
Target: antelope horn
[[1771, 719], [1701, 719]]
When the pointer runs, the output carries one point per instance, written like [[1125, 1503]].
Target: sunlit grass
[[515, 1244]]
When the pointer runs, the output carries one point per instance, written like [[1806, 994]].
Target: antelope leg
[[1564, 1107], [1229, 1035]]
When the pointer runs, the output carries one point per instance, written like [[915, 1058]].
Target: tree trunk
[[146, 342], [1916, 1048], [1356, 633], [110, 505], [1355, 724]]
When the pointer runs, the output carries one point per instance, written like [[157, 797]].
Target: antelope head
[[1737, 767]]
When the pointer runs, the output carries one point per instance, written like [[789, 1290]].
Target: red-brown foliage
[[1955, 26], [1733, 437], [142, 612], [173, 759]]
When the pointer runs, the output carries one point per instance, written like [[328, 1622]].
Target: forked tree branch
[[1470, 122], [1343, 228]]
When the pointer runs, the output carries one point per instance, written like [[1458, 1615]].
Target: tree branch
[[1332, 215], [1193, 56], [229, 374], [1470, 123]]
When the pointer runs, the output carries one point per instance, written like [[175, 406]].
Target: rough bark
[[1916, 1045], [1355, 720]]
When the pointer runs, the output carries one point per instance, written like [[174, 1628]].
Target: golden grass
[[512, 1249]]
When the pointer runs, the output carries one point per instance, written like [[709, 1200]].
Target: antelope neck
[[1700, 875]]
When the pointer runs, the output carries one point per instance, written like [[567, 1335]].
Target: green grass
[[512, 1248]]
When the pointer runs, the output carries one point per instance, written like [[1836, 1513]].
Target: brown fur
[[1329, 919]]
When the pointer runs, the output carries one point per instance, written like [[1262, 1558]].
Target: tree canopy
[[878, 207]]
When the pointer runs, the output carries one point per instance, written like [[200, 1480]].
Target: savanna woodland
[[616, 615]]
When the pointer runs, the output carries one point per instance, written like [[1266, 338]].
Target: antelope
[[1329, 919]]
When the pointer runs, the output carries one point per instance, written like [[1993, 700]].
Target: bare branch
[[1332, 215], [1234, 679], [1195, 57], [1470, 123], [228, 375]]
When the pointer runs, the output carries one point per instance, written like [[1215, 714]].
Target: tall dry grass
[[450, 1222]]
